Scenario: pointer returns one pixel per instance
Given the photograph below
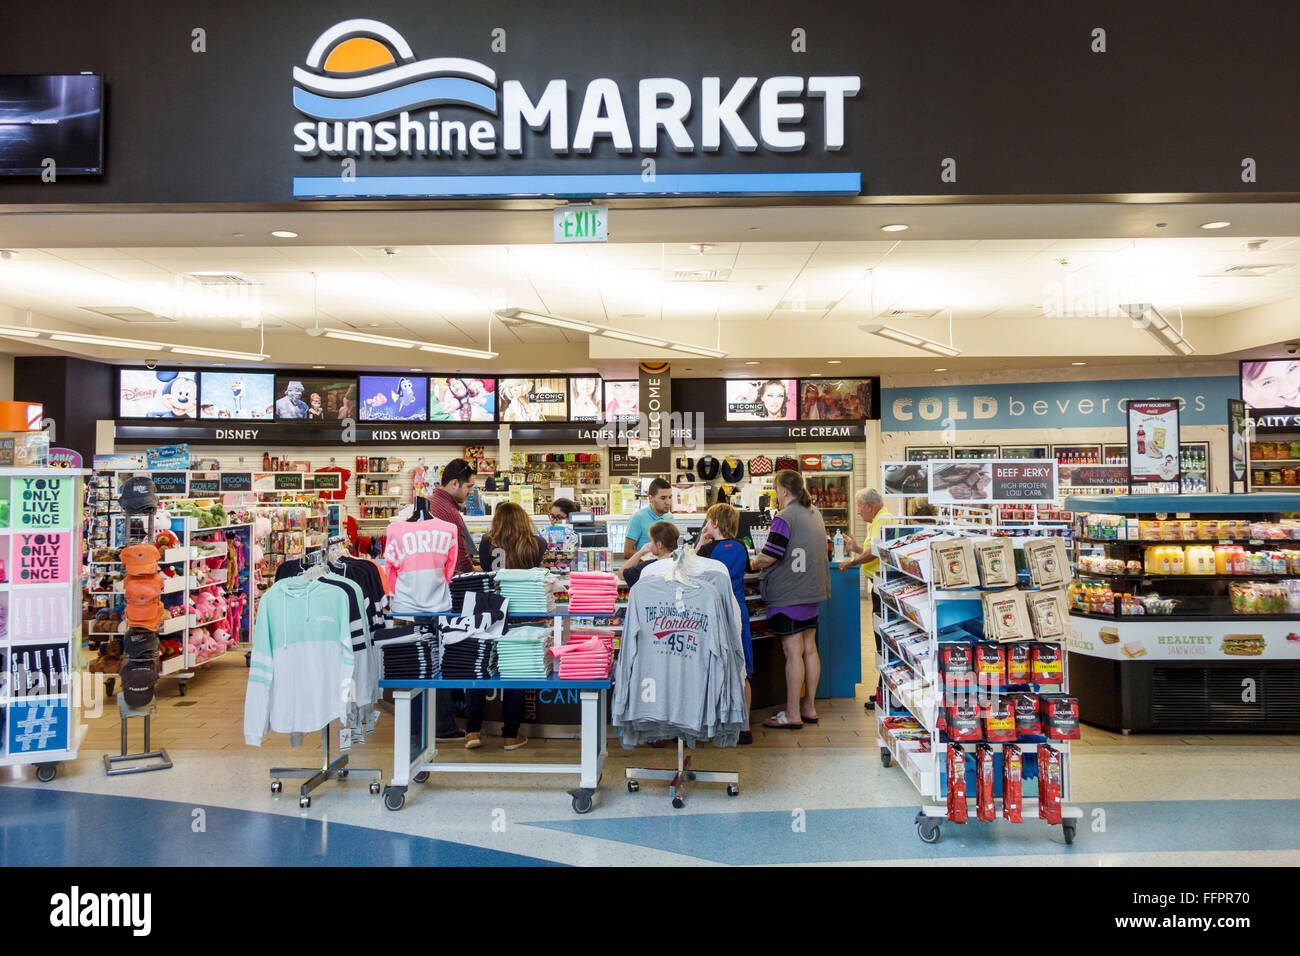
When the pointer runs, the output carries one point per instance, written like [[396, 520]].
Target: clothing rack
[[338, 768], [678, 778]]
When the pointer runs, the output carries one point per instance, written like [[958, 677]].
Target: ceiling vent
[[1248, 272], [128, 313], [219, 278], [908, 313], [700, 275]]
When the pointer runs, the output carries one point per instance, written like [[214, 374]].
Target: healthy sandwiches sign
[[364, 94]]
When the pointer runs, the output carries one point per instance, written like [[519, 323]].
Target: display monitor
[[315, 398], [394, 398], [622, 399], [462, 399], [586, 399], [1271, 384], [534, 399], [758, 400], [238, 396], [835, 399], [57, 117], [157, 393]]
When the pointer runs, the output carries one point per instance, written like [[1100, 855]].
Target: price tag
[[345, 738]]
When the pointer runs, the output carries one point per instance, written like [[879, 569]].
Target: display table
[[415, 752]]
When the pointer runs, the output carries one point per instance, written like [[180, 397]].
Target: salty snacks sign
[[993, 481]]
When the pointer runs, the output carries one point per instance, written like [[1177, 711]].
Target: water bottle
[[839, 545]]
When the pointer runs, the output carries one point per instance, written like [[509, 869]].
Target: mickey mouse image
[[179, 397]]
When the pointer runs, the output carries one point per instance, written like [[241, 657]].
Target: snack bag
[[996, 559], [1048, 561], [953, 563], [1019, 664], [1024, 708], [956, 784], [964, 722], [1049, 614], [984, 808], [1061, 717], [1049, 784], [1011, 784], [1000, 721], [1048, 668]]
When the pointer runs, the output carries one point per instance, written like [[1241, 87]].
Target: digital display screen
[[157, 393], [835, 399], [238, 396], [586, 402], [394, 398], [622, 399], [759, 400], [462, 399], [315, 398], [534, 399], [1272, 384], [58, 117]]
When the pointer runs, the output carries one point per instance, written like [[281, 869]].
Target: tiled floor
[[1194, 800]]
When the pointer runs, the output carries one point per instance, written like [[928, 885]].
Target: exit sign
[[585, 223]]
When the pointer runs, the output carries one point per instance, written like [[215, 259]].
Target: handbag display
[[760, 465]]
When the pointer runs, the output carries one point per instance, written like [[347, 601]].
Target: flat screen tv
[[757, 400], [52, 116], [1271, 384], [157, 393]]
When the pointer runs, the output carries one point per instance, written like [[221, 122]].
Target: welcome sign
[[1050, 404]]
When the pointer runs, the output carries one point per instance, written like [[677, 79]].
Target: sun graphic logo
[[364, 70]]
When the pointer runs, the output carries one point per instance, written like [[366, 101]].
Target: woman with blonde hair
[[718, 541]]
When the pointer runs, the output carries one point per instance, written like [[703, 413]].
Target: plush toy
[[222, 636], [204, 606], [164, 540]]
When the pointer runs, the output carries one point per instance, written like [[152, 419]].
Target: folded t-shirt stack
[[605, 637], [468, 658], [525, 590], [521, 653], [411, 660], [582, 660], [478, 581], [592, 592]]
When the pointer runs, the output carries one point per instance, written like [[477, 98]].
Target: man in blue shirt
[[659, 509]]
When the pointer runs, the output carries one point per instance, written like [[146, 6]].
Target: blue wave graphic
[[442, 89]]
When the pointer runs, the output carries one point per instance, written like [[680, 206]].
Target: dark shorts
[[782, 625]]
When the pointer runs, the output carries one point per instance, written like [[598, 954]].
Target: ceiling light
[[19, 332], [457, 350], [370, 339], [701, 247], [834, 362], [318, 366], [907, 338], [106, 340], [696, 350], [894, 227], [815, 374], [284, 234], [592, 328], [941, 370], [633, 337], [1159, 327], [220, 353], [751, 363], [540, 318], [1078, 363], [1217, 224], [7, 254]]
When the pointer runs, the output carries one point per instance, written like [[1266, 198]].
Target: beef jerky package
[[1011, 784], [1000, 721], [1049, 784], [1060, 716], [1048, 668], [964, 722], [1024, 708], [1048, 561], [956, 784], [953, 562], [1049, 614], [996, 560], [957, 662], [1006, 617], [1020, 665], [984, 808], [990, 667]]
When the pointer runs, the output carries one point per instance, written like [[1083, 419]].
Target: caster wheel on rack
[[582, 803], [343, 774], [276, 786], [678, 803], [928, 831], [182, 687], [886, 758], [374, 788], [304, 802], [1068, 828], [633, 786], [109, 684], [394, 799], [421, 777], [45, 772], [733, 790]]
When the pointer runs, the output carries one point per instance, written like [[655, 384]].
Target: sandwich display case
[[1185, 611]]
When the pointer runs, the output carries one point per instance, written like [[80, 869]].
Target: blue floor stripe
[[60, 828], [888, 833]]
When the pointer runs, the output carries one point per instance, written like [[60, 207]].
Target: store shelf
[[1145, 542], [1244, 618], [1143, 576], [1259, 462]]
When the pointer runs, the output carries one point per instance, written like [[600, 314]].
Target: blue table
[[415, 753]]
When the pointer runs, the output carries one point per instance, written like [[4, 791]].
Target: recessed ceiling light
[[236, 235], [1217, 224], [894, 227], [318, 366], [815, 374], [751, 363], [833, 361], [1078, 363], [554, 371], [941, 370], [414, 370], [284, 234]]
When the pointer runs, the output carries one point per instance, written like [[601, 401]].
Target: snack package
[[996, 560], [1024, 708], [1049, 614], [952, 562], [956, 784], [1049, 784], [957, 662], [1048, 561], [964, 722], [1000, 721], [1011, 784], [1006, 616], [984, 808], [1048, 668], [1060, 716], [1020, 668]]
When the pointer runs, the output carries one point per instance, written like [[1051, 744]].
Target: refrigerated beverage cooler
[[829, 479]]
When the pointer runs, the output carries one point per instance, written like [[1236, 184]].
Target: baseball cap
[[143, 589], [138, 496], [147, 616], [139, 559], [140, 644], [138, 680]]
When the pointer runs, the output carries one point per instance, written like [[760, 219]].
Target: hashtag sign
[[37, 729]]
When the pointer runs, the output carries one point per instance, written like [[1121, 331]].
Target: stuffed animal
[[221, 634], [164, 540], [205, 606]]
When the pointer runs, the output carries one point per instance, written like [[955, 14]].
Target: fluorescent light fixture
[[106, 340], [593, 328], [370, 339], [907, 338], [1159, 327], [941, 370], [220, 353], [1218, 224], [457, 350], [894, 227], [284, 234], [18, 332], [834, 362], [1078, 363]]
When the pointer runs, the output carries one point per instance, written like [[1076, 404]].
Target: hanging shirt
[[735, 557], [420, 559]]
